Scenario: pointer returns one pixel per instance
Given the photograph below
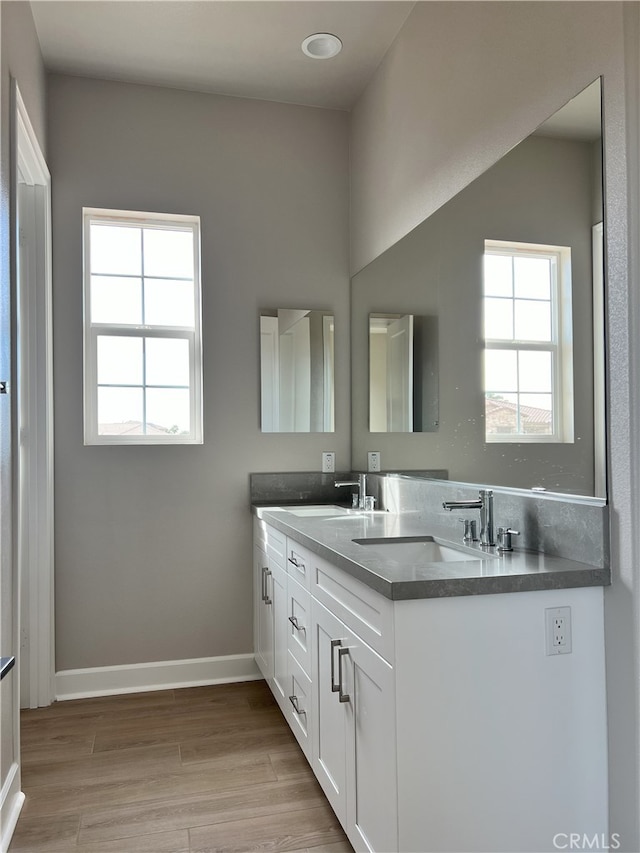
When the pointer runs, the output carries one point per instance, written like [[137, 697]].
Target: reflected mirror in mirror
[[403, 373], [512, 269], [297, 370]]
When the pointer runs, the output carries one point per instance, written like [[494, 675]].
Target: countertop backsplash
[[573, 527]]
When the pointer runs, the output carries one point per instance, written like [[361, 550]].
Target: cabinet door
[[278, 594], [331, 716], [263, 614], [372, 802]]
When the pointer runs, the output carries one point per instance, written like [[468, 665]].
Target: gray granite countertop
[[477, 572]]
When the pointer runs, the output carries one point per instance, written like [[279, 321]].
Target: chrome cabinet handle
[[299, 711], [296, 624], [296, 563], [265, 595], [334, 687], [343, 697]]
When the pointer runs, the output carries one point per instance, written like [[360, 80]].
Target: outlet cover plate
[[328, 462], [558, 630]]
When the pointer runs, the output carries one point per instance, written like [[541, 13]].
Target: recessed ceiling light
[[321, 46]]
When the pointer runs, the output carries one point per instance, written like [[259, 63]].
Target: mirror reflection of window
[[297, 371], [403, 373], [528, 342]]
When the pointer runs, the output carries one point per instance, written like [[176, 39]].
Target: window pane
[[119, 360], [497, 275], [168, 253], [116, 250], [534, 371], [168, 303], [532, 278], [536, 417], [498, 319], [116, 300], [500, 370], [168, 410], [501, 414], [167, 361], [532, 320], [120, 411]]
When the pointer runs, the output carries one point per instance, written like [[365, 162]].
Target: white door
[[331, 716], [400, 375], [372, 801]]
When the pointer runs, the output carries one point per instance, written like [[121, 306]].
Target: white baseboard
[[11, 800], [160, 675]]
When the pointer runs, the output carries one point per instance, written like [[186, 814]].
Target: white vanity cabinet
[[435, 724]]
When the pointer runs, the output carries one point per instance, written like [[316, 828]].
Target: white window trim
[[93, 330], [561, 345]]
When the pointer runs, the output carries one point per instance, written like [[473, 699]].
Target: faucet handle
[[504, 538], [470, 529]]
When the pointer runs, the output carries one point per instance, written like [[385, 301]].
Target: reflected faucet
[[485, 505], [361, 483]]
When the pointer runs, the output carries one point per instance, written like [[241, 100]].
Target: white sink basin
[[422, 549]]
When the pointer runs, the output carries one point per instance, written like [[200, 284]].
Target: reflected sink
[[422, 549], [319, 511]]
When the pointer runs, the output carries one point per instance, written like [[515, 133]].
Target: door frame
[[33, 448]]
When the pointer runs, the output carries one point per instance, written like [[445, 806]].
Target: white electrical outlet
[[373, 461], [328, 462], [558, 630]]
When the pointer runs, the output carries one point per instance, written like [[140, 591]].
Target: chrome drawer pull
[[299, 711], [296, 563], [334, 687], [265, 597], [344, 697], [296, 624], [264, 593]]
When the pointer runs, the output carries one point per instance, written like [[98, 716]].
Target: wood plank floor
[[176, 771]]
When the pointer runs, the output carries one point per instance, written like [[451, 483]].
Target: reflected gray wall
[[541, 192]]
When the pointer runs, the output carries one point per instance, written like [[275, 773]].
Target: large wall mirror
[[509, 273], [297, 370]]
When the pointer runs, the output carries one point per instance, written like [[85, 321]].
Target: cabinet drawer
[[366, 612], [276, 545], [300, 704], [300, 563], [299, 624]]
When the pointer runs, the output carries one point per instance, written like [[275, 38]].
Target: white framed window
[[142, 328], [528, 356]]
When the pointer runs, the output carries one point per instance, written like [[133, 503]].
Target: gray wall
[[21, 59], [540, 192], [465, 82], [153, 556]]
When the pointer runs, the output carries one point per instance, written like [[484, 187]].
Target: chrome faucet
[[361, 483], [485, 505]]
